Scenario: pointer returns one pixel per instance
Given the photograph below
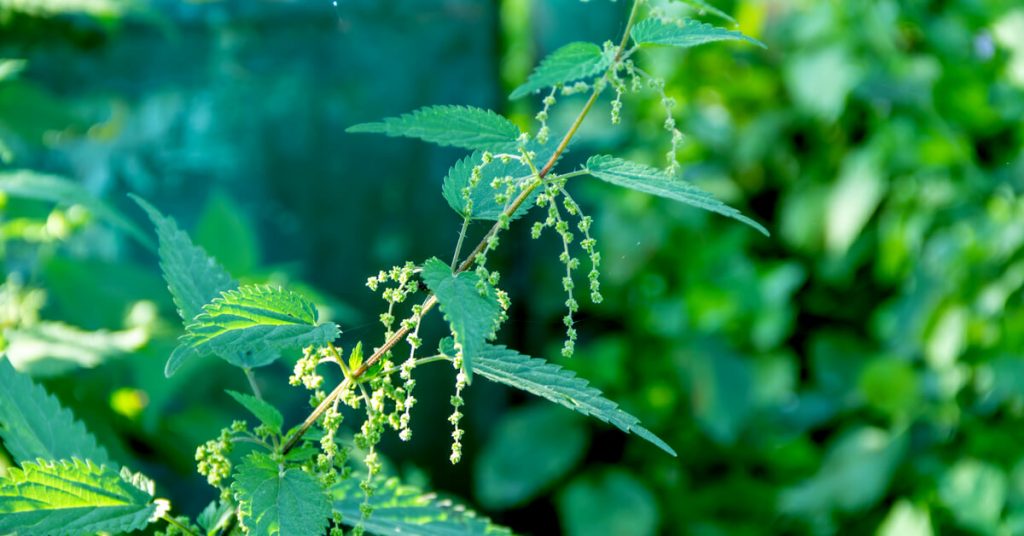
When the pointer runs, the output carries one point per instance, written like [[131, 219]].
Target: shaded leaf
[[273, 500], [473, 316], [609, 501], [561, 386], [446, 125], [75, 497], [399, 509], [34, 425], [654, 181], [572, 62], [853, 476], [32, 185], [483, 195], [266, 413], [227, 234], [548, 440]]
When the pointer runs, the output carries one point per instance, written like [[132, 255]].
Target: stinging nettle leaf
[[193, 277], [34, 425], [273, 500], [446, 125], [246, 325], [473, 316], [484, 205], [703, 7], [31, 185], [266, 413], [563, 387], [572, 62], [689, 33], [654, 181], [399, 509], [56, 498]]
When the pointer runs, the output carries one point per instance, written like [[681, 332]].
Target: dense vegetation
[[858, 372]]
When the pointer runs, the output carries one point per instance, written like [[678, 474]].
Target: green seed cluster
[[457, 403], [400, 282], [549, 198], [675, 135], [212, 457], [542, 117]]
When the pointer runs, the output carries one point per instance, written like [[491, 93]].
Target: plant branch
[[466, 264], [171, 521], [252, 383], [462, 238]]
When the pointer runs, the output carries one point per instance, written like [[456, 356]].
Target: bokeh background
[[859, 372]]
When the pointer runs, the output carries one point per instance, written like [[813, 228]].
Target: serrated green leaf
[[34, 425], [216, 516], [572, 62], [484, 205], [32, 185], [689, 33], [193, 277], [399, 509], [248, 327], [473, 316], [703, 7], [654, 181], [273, 500], [455, 126], [563, 387], [263, 411], [76, 497]]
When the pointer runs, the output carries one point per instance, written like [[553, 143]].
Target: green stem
[[466, 264], [252, 383], [171, 521], [420, 361], [458, 245]]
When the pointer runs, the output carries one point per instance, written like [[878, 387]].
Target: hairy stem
[[252, 383], [171, 521], [458, 245], [466, 264]]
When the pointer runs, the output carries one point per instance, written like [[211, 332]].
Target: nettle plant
[[325, 473]]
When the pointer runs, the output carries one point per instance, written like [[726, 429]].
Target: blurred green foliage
[[859, 372]]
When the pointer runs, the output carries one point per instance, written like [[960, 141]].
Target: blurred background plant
[[859, 372]]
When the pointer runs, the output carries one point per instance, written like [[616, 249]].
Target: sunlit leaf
[[689, 33], [246, 325], [75, 497]]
